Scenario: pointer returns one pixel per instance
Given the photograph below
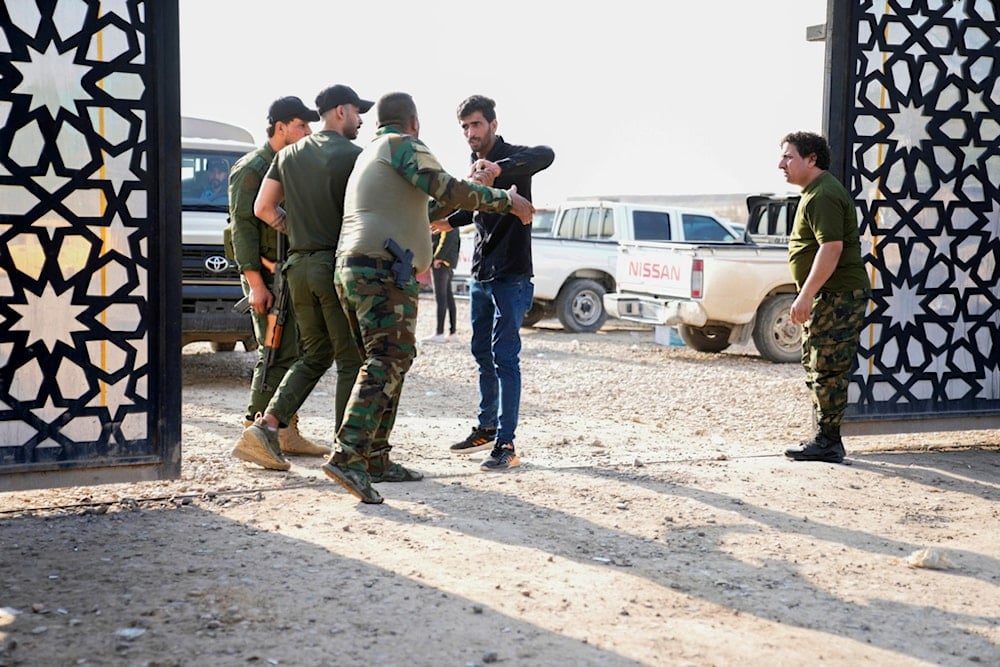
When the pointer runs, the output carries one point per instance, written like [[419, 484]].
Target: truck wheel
[[535, 314], [580, 306], [774, 335], [704, 339], [228, 346]]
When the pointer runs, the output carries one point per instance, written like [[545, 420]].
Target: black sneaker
[[820, 448], [502, 457], [478, 440]]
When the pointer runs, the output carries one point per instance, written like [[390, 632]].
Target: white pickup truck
[[576, 260], [717, 295]]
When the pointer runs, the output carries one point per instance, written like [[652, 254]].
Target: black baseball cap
[[334, 96], [289, 108]]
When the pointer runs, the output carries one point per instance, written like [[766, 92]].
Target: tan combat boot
[[293, 442], [258, 444]]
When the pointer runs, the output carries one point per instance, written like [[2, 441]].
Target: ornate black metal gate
[[90, 231], [914, 116]]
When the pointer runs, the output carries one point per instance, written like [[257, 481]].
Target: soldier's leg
[[807, 367], [305, 279], [258, 397], [264, 384], [836, 328], [386, 318], [346, 352]]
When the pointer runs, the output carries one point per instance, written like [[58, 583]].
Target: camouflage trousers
[[829, 351], [383, 319]]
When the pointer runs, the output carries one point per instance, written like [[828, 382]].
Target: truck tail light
[[697, 277]]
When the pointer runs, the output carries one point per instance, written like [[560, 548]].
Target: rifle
[[402, 266], [277, 315]]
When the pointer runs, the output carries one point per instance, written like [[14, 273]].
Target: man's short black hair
[[395, 109], [810, 143], [471, 105]]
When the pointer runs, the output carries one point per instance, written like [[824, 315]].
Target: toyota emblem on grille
[[216, 264]]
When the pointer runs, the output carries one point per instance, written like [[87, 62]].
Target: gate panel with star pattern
[[89, 242], [913, 114]]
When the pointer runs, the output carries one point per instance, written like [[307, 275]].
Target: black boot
[[827, 447]]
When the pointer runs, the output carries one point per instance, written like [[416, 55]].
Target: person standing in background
[[306, 182], [385, 241], [446, 249], [253, 245], [501, 290], [824, 254]]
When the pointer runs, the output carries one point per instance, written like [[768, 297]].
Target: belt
[[365, 261]]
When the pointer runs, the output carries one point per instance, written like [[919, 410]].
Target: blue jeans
[[497, 308]]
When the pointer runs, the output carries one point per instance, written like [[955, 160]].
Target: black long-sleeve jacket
[[503, 243]]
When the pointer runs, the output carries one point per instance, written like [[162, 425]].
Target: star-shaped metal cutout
[[52, 80], [49, 317]]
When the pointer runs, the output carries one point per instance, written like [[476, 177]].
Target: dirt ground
[[654, 522]]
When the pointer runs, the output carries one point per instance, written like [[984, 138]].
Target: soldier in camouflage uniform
[[386, 201], [253, 245], [824, 254]]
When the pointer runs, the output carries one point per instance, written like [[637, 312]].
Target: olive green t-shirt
[[826, 213], [313, 173]]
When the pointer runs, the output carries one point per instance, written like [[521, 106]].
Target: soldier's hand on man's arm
[[522, 208]]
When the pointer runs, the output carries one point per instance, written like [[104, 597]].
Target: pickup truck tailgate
[[663, 269]]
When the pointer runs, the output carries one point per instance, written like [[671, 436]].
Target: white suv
[[210, 282]]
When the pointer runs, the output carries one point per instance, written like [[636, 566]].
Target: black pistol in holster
[[402, 265]]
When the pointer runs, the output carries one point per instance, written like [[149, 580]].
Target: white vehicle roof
[[204, 134]]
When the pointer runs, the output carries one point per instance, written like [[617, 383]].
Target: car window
[[566, 228], [704, 228], [541, 222], [608, 225], [651, 225], [205, 178], [594, 225]]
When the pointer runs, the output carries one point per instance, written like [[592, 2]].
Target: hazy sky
[[677, 97]]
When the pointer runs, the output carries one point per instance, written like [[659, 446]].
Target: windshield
[[205, 179], [541, 221]]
